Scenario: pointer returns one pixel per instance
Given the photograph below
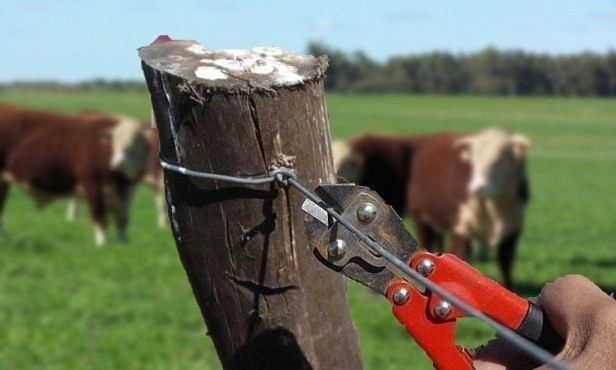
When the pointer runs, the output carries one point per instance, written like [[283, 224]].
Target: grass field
[[67, 305]]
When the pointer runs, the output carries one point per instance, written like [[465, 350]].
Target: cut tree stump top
[[232, 70]]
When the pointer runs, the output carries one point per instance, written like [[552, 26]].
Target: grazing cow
[[99, 157], [153, 177], [472, 186]]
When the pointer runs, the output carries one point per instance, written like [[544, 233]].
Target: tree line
[[88, 85], [489, 71]]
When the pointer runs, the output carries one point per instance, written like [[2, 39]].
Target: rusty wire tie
[[288, 177]]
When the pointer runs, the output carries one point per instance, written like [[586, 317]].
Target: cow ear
[[520, 144], [465, 154], [463, 141], [464, 144]]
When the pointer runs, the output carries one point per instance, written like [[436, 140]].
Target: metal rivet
[[337, 249], [425, 267], [366, 213], [401, 296], [442, 309]]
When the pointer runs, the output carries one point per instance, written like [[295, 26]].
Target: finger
[[569, 301], [585, 316], [500, 354]]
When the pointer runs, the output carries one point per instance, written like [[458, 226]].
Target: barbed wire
[[288, 177]]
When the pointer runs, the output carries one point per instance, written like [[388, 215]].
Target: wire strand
[[288, 177], [278, 174]]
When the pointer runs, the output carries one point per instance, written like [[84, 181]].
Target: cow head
[[495, 157], [347, 162], [130, 148]]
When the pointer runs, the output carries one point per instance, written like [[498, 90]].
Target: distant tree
[[341, 72], [489, 71], [610, 64], [439, 73], [396, 74], [410, 65]]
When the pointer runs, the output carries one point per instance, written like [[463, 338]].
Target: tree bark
[[266, 300]]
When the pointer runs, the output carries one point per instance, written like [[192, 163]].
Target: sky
[[74, 40]]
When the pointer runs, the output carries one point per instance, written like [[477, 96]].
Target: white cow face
[[130, 148], [495, 156]]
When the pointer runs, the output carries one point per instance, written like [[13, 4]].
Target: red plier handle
[[431, 320]]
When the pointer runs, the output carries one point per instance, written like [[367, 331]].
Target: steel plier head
[[341, 250], [427, 317]]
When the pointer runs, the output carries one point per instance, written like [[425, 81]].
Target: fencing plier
[[427, 317]]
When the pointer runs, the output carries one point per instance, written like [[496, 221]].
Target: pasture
[[66, 305]]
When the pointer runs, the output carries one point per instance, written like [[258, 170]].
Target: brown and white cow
[[152, 177], [471, 186], [99, 157], [474, 187]]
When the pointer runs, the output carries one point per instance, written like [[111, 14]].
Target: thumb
[[585, 316]]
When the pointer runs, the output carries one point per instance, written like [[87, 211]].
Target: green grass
[[67, 305]]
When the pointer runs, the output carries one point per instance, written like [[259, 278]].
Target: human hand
[[581, 313]]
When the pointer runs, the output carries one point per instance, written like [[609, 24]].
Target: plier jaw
[[341, 250]]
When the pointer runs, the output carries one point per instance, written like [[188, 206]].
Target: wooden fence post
[[266, 301]]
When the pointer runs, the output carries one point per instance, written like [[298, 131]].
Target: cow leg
[[161, 206], [163, 220], [4, 190], [439, 241], [71, 209], [427, 235], [120, 202], [96, 201], [484, 253], [120, 216], [506, 253], [461, 246]]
